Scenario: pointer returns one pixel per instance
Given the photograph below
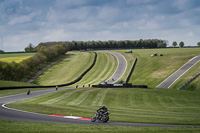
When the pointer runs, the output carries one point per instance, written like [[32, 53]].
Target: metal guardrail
[[184, 85], [131, 71], [119, 86]]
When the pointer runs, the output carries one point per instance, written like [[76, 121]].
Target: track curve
[[121, 68], [13, 114]]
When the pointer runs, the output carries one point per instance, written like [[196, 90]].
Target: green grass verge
[[67, 70], [38, 127], [194, 85], [8, 126], [125, 105]]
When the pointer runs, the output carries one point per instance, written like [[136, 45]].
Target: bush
[[17, 71]]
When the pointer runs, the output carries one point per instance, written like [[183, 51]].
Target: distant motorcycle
[[28, 92], [100, 116]]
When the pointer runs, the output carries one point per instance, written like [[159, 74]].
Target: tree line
[[18, 71], [84, 45]]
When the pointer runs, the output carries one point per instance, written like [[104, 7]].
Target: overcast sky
[[34, 21]]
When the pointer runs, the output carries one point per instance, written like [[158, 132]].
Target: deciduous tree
[[198, 44], [174, 44], [181, 44]]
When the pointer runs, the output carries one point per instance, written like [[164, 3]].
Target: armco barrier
[[120, 86], [131, 71], [70, 83], [184, 85]]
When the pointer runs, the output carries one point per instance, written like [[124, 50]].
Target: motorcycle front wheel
[[93, 119]]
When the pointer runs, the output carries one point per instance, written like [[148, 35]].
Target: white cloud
[[22, 19], [55, 35], [107, 13]]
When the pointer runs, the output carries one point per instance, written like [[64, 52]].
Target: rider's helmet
[[103, 106]]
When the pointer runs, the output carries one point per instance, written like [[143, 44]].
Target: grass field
[[36, 127], [17, 57], [152, 71], [67, 70], [125, 105]]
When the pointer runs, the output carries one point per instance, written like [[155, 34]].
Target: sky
[[34, 21]]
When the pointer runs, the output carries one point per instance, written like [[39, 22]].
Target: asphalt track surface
[[176, 75], [13, 114], [121, 68]]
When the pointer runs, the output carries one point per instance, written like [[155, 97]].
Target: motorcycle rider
[[102, 110]]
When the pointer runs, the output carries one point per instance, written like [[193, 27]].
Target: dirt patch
[[160, 74]]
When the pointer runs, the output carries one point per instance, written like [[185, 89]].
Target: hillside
[[152, 71], [67, 70]]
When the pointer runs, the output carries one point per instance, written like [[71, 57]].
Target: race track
[[12, 114], [176, 75], [121, 68]]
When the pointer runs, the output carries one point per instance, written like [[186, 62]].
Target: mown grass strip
[[100, 96], [103, 69], [125, 105]]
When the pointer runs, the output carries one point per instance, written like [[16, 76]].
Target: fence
[[184, 85]]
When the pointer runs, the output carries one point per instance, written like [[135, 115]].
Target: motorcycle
[[100, 116]]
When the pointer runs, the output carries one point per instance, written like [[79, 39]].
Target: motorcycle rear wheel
[[106, 119]]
